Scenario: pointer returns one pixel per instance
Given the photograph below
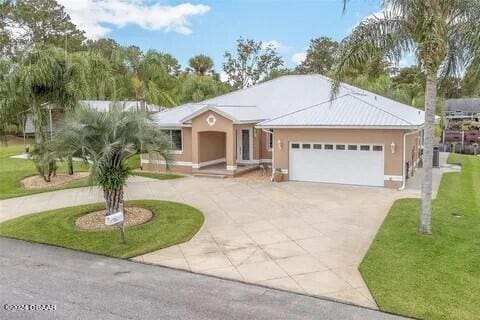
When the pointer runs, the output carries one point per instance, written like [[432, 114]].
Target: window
[[295, 146], [317, 146], [352, 147], [270, 141], [377, 148], [306, 146], [340, 147], [365, 147], [328, 147], [175, 137]]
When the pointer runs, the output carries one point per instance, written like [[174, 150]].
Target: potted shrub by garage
[[278, 175]]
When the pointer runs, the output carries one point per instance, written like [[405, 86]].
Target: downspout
[[404, 173], [273, 154]]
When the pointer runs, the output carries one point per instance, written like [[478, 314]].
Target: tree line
[[46, 59]]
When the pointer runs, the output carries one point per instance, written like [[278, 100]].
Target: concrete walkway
[[88, 286], [303, 237]]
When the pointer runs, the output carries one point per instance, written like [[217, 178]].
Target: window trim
[[172, 151], [269, 138], [329, 144]]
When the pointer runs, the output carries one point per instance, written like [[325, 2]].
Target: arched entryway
[[212, 149]]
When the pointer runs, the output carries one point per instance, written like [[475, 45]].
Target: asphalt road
[[87, 286]]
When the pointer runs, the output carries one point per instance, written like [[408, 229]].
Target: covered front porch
[[221, 146], [228, 152]]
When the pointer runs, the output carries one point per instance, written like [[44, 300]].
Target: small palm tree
[[445, 38], [201, 64], [106, 140]]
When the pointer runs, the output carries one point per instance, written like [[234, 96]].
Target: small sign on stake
[[114, 218]]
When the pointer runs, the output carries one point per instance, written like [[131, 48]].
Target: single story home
[[462, 109], [99, 105], [292, 124]]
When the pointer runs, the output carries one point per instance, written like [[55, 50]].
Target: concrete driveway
[[303, 237]]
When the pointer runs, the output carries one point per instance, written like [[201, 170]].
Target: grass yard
[[431, 277], [157, 175], [172, 223], [12, 171]]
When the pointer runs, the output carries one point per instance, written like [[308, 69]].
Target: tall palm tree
[[106, 140], [201, 64], [445, 38]]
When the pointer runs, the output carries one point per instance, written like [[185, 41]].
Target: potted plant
[[278, 175]]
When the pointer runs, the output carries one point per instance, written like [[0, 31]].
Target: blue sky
[[211, 27]]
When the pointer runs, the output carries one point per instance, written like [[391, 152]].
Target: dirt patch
[[256, 175], [37, 182], [96, 220]]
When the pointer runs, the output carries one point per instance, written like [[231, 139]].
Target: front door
[[244, 145]]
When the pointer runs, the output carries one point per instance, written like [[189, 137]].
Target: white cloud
[[299, 57], [95, 16], [277, 45]]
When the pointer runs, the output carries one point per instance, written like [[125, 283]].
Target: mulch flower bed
[[96, 220], [37, 182]]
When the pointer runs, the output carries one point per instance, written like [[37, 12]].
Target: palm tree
[[106, 140], [445, 38], [150, 78], [201, 64]]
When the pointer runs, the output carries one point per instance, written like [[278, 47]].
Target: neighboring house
[[462, 109], [101, 105], [357, 138]]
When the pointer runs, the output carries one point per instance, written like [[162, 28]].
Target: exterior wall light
[[392, 147], [280, 145]]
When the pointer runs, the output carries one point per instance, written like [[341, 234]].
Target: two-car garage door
[[359, 164]]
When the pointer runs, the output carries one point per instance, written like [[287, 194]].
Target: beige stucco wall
[[211, 146], [264, 152], [393, 161], [185, 156], [222, 124]]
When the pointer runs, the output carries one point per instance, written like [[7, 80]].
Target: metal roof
[[287, 94], [345, 111], [465, 104], [105, 105]]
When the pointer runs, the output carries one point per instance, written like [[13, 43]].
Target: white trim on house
[[207, 163], [269, 135], [232, 168], [265, 160], [170, 163], [172, 151], [392, 178], [240, 144], [206, 109]]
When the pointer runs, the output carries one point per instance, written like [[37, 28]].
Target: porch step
[[210, 175]]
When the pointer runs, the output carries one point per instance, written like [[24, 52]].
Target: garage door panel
[[337, 166]]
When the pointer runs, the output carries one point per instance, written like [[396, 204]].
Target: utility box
[[436, 157]]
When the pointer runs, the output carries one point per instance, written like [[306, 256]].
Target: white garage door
[[360, 164]]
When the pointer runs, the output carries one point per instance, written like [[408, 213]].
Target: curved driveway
[[302, 237]]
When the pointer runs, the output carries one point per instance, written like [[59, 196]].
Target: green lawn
[[157, 175], [172, 223], [431, 277], [12, 171]]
